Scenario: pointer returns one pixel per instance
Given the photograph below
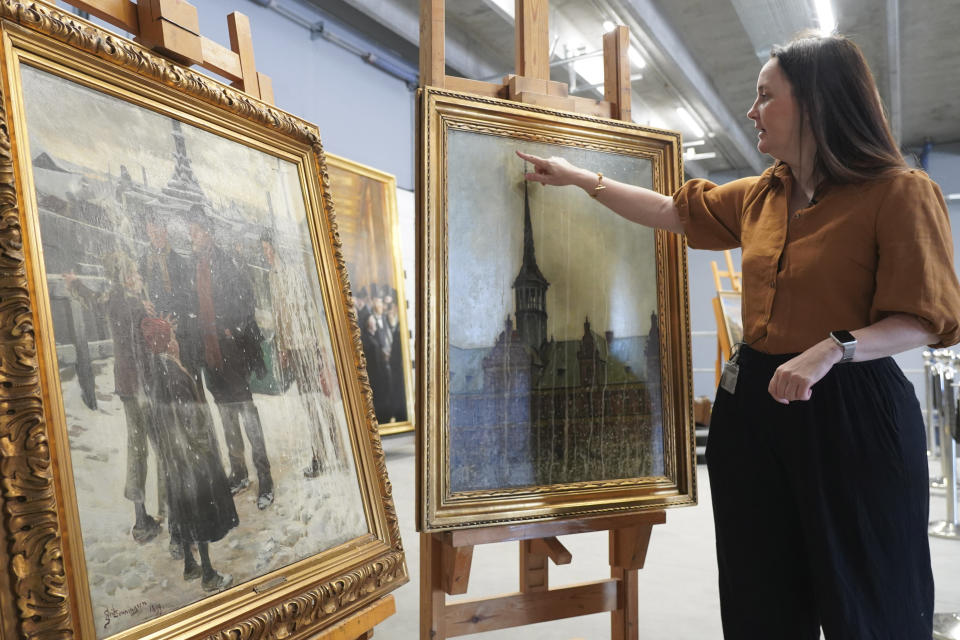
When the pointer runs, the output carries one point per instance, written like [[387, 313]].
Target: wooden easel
[[171, 28], [445, 557], [736, 286]]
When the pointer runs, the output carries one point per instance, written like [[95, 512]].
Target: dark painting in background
[[367, 219]]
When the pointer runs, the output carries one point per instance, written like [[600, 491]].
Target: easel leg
[[628, 552], [534, 568], [625, 619], [432, 596]]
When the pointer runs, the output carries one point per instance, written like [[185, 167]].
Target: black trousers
[[821, 507]]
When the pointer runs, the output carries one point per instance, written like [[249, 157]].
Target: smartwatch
[[845, 341]]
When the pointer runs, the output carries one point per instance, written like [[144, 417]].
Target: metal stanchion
[[949, 528], [942, 359], [946, 626], [930, 413]]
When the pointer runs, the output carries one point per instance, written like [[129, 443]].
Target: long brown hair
[[836, 91]]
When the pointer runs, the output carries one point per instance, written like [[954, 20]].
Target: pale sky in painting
[[83, 126], [598, 264]]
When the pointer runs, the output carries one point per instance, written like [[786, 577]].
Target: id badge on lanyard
[[731, 371]]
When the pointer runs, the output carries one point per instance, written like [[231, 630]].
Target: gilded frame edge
[[35, 593], [434, 513], [390, 182]]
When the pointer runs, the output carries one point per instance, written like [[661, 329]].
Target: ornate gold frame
[[391, 224], [43, 585], [438, 507]]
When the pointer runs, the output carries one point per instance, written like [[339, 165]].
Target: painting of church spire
[[183, 184], [530, 287]]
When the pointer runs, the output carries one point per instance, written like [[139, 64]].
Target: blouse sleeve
[[711, 214], [915, 272]]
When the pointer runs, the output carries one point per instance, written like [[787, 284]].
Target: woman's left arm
[[795, 378]]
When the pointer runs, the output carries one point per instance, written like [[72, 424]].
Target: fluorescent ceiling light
[[953, 196], [828, 23], [507, 6], [695, 143], [590, 69], [692, 155], [608, 26], [649, 119], [690, 122], [636, 58]]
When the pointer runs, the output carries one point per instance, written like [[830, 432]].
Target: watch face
[[843, 336]]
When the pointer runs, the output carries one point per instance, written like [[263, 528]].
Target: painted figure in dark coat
[[229, 340], [127, 306], [169, 281], [200, 505], [378, 368]]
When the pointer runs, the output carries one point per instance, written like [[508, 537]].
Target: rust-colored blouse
[[861, 252]]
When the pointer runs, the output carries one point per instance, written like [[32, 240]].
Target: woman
[[198, 493], [838, 237]]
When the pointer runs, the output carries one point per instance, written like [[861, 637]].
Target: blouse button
[[773, 284]]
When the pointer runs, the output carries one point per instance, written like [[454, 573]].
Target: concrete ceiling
[[703, 55]]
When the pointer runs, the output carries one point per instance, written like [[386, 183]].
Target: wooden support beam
[[456, 569], [241, 42], [526, 530], [553, 549], [119, 13], [592, 107], [519, 84], [432, 33], [616, 71], [529, 608], [360, 625], [172, 28], [628, 546], [477, 87], [220, 60], [532, 39]]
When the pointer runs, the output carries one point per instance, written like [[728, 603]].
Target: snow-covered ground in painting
[[131, 583]]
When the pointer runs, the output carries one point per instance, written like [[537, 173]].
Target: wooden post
[[432, 597], [532, 37], [432, 33], [534, 568], [616, 71], [241, 41]]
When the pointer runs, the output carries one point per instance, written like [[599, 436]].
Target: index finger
[[537, 160]]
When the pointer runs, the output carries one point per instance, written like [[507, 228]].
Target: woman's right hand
[[554, 171]]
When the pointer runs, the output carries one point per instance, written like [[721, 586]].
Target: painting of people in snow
[[208, 438]]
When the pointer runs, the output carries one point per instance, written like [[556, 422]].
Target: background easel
[[171, 28], [446, 557], [736, 286]]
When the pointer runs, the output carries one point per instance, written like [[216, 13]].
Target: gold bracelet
[[600, 187]]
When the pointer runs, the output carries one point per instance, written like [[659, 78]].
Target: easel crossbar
[[489, 614]]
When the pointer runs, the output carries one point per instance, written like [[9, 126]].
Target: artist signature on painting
[[111, 613]]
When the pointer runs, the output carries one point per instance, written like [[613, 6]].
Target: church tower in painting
[[530, 288]]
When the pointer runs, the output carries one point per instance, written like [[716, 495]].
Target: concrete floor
[[678, 585]]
